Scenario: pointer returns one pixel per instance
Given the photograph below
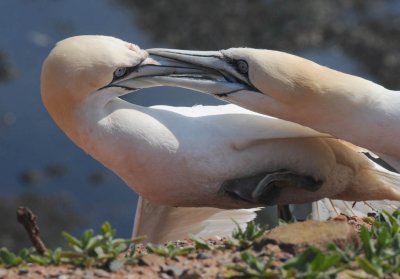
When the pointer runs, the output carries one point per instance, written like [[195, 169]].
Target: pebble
[[78, 272], [202, 256], [294, 238], [102, 273], [171, 270], [22, 271], [3, 272], [191, 274], [89, 275], [341, 218]]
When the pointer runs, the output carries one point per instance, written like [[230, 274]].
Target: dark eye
[[242, 66], [120, 72]]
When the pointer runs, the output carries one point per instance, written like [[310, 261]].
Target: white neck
[[118, 133]]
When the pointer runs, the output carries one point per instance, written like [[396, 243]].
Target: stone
[[295, 238], [152, 260], [171, 270], [101, 273], [3, 272], [191, 274]]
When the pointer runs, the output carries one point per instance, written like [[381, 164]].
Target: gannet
[[220, 157], [298, 90]]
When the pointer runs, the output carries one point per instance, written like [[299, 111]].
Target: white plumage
[[205, 156]]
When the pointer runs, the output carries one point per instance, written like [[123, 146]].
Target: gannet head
[[260, 80], [82, 66], [79, 66]]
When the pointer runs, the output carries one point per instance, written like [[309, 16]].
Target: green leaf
[[368, 267], [300, 262], [9, 258], [383, 237], [70, 255], [77, 249], [107, 230], [94, 242], [367, 242], [199, 243], [157, 249], [24, 253], [87, 236], [56, 255], [99, 251], [72, 241], [330, 261], [41, 260], [183, 251], [120, 248]]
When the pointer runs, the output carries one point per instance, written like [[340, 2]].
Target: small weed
[[253, 267], [200, 244], [95, 250], [90, 250], [246, 238], [168, 250], [9, 259], [381, 245], [312, 263]]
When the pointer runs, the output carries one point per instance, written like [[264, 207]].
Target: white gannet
[[204, 156], [298, 90]]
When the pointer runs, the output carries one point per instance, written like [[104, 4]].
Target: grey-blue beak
[[209, 72], [215, 74]]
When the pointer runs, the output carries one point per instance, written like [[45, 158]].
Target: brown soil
[[208, 263]]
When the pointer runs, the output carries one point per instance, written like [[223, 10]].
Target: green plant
[[95, 250], [347, 254], [10, 259], [381, 245], [168, 250], [246, 238], [253, 267], [312, 263], [90, 250], [199, 244]]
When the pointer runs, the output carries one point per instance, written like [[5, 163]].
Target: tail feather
[[161, 224], [392, 161], [328, 208], [372, 182]]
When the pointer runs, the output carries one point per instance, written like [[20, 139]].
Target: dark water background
[[40, 168]]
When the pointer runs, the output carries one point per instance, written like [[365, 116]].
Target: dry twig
[[26, 217]]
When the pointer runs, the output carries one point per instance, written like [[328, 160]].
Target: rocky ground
[[219, 258]]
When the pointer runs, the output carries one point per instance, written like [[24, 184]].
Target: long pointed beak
[[205, 71], [218, 76]]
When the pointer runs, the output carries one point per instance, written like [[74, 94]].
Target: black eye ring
[[120, 72], [242, 66]]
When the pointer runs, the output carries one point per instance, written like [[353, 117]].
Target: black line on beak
[[185, 54], [119, 86]]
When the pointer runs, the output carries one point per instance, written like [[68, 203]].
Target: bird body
[[204, 156], [186, 152]]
